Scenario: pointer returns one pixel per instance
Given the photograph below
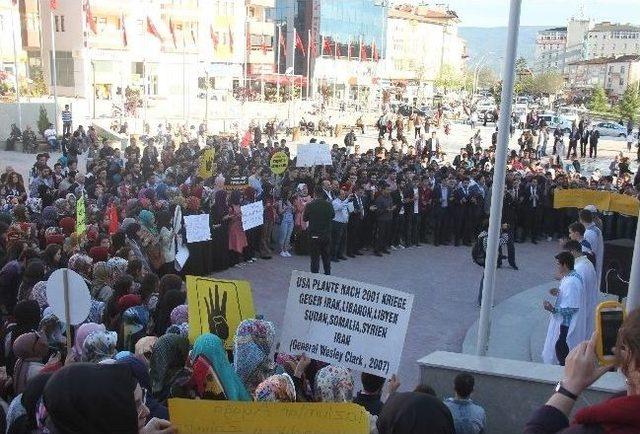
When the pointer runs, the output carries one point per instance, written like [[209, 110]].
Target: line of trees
[[627, 108]]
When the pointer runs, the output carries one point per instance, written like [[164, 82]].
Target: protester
[[468, 417]]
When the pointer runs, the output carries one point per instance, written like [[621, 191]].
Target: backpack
[[478, 253]]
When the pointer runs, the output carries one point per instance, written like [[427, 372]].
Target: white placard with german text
[[346, 323], [252, 215]]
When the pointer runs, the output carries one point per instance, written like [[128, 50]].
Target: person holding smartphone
[[618, 414]]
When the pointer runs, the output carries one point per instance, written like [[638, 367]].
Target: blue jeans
[[53, 142], [286, 229]]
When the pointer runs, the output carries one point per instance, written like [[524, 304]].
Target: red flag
[[53, 4], [314, 48], [230, 40], [214, 38], [124, 31], [151, 28], [282, 42], [374, 51], [246, 139], [299, 44], [263, 46], [326, 45], [90, 21], [363, 51], [114, 225], [173, 33], [15, 2]]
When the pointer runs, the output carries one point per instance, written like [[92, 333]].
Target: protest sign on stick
[[197, 227], [347, 323], [252, 215], [314, 154]]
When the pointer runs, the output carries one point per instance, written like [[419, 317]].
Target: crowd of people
[[134, 346]]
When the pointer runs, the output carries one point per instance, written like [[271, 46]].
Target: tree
[[547, 83], [521, 65], [449, 78], [629, 105], [43, 120], [487, 78], [599, 101]]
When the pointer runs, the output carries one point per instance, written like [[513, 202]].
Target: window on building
[[101, 24], [137, 68], [64, 69], [56, 20], [202, 81], [153, 85], [61, 23], [140, 27], [622, 69], [621, 81]]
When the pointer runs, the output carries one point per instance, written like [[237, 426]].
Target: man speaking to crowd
[[319, 213]]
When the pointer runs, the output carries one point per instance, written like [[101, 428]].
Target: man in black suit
[[593, 143], [319, 213], [533, 209], [432, 145], [462, 207], [442, 212], [584, 139], [354, 226], [574, 137]]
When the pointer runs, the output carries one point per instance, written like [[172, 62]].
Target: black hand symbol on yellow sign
[[209, 164], [217, 314]]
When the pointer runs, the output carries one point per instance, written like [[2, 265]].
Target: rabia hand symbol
[[217, 314], [209, 164]]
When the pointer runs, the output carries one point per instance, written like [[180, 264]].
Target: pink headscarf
[[83, 331]]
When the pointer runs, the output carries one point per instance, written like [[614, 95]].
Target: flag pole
[[293, 63], [308, 62], [15, 67], [54, 72], [279, 26], [502, 148]]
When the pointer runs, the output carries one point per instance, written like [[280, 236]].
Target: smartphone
[[609, 318]]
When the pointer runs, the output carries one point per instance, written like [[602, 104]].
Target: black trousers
[[354, 233], [593, 150], [562, 348], [573, 144], [383, 229], [511, 253], [320, 246], [441, 225], [338, 238], [66, 128], [533, 217]]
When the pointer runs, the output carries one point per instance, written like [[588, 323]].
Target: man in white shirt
[[563, 333], [341, 207], [587, 272], [51, 137]]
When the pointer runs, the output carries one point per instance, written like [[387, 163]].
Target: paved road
[[443, 279]]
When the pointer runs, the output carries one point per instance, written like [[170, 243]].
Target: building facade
[[421, 41], [550, 51], [172, 52], [614, 74], [11, 41], [608, 39]]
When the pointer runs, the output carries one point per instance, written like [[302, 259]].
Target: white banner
[[346, 323], [197, 227], [314, 154], [252, 215]]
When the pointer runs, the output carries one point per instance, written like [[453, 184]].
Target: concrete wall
[[30, 113], [509, 390]]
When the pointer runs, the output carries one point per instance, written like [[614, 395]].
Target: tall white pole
[[15, 67], [54, 71], [184, 84], [633, 297], [293, 63], [502, 148], [308, 64], [279, 26]]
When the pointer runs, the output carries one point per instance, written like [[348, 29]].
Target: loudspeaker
[[616, 267]]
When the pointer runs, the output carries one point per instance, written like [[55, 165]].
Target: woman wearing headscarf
[[237, 236], [334, 384], [52, 258], [140, 371], [253, 235], [168, 358], [277, 388], [167, 283], [39, 294], [211, 348], [200, 253], [167, 243], [27, 316], [33, 273], [144, 347], [302, 199], [220, 232], [121, 287], [100, 289], [81, 264], [116, 267], [24, 419], [149, 240], [100, 347], [114, 404], [53, 330], [251, 349], [415, 412], [169, 301], [132, 231], [81, 335], [30, 349], [134, 326]]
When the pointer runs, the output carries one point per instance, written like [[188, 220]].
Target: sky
[[495, 13]]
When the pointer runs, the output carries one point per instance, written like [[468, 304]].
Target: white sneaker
[[549, 238], [288, 254], [394, 247], [283, 254], [400, 246]]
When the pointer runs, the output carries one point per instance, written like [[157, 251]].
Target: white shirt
[[587, 272], [416, 195], [341, 209], [594, 236], [50, 133]]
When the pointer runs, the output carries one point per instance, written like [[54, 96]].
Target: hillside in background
[[492, 41]]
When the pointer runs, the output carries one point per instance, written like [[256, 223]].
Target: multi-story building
[[421, 40], [260, 38], [608, 39], [11, 42], [550, 49], [339, 45], [614, 74], [165, 48]]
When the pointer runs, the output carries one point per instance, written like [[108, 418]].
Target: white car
[[554, 121], [611, 129]]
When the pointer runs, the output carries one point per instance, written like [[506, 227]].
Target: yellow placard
[[624, 204], [81, 217], [279, 162], [202, 416], [218, 306], [206, 163]]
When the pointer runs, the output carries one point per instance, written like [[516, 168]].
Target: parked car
[[611, 129], [554, 121]]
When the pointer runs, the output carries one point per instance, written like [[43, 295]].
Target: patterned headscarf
[[53, 328], [193, 203], [39, 294], [146, 218], [134, 320], [81, 335], [81, 264], [99, 346], [277, 388], [179, 329], [144, 347], [169, 356], [179, 314], [96, 311], [116, 267], [334, 384], [49, 216], [251, 348]]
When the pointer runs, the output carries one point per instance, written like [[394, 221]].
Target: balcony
[[261, 28], [108, 38], [256, 55]]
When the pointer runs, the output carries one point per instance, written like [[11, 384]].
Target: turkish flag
[[151, 28], [246, 139], [173, 33], [114, 225], [326, 45], [230, 40], [299, 44], [124, 31], [53, 4], [89, 16], [214, 38]]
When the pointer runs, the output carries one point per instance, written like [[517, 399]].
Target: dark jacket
[[371, 403], [319, 213]]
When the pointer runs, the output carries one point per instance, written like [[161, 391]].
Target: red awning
[[299, 80]]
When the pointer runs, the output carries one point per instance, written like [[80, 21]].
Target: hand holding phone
[[609, 318]]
